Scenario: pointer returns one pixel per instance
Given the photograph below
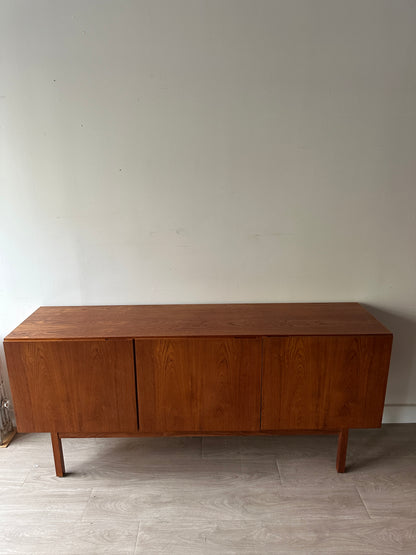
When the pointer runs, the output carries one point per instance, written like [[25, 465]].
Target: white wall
[[224, 150]]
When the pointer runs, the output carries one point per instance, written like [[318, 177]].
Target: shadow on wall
[[403, 353]]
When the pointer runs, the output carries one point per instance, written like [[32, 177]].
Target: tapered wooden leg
[[58, 454], [342, 449]]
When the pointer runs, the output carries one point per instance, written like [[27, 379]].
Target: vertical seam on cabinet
[[261, 378], [135, 385]]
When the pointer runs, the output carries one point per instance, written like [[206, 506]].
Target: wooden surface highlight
[[98, 322]]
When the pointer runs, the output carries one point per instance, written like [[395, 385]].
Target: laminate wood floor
[[234, 495]]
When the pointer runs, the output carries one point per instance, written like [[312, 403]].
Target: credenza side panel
[[199, 384], [330, 382], [73, 386]]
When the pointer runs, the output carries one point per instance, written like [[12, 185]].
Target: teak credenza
[[229, 369]]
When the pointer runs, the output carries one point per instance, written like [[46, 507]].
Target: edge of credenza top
[[196, 320]]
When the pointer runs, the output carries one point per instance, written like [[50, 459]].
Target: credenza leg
[[342, 449], [58, 454]]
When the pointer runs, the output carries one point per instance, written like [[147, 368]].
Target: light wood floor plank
[[318, 471], [107, 473], [211, 495], [359, 537], [25, 504], [389, 501], [86, 538], [244, 498]]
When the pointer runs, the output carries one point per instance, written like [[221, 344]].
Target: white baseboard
[[399, 414]]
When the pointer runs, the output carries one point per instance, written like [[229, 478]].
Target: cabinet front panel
[[73, 386], [327, 382], [199, 385]]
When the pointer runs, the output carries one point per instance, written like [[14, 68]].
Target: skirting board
[[399, 414]]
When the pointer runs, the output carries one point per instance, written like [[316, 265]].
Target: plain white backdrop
[[211, 151]]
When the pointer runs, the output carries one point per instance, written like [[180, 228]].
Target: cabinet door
[[324, 382], [73, 386], [198, 385]]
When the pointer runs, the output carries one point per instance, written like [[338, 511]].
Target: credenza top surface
[[197, 320]]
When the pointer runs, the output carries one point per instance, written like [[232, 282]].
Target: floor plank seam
[[86, 506], [363, 502], [25, 481], [136, 545], [279, 472]]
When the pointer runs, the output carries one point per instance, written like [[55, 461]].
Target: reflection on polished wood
[[198, 320]]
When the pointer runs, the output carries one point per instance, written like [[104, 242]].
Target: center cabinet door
[[199, 384]]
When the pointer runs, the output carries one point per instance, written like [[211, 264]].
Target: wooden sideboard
[[219, 369]]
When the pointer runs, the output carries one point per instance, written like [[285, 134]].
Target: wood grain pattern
[[374, 460], [246, 498], [388, 536], [385, 501], [25, 536], [198, 384], [73, 386], [96, 322], [324, 382], [53, 506]]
